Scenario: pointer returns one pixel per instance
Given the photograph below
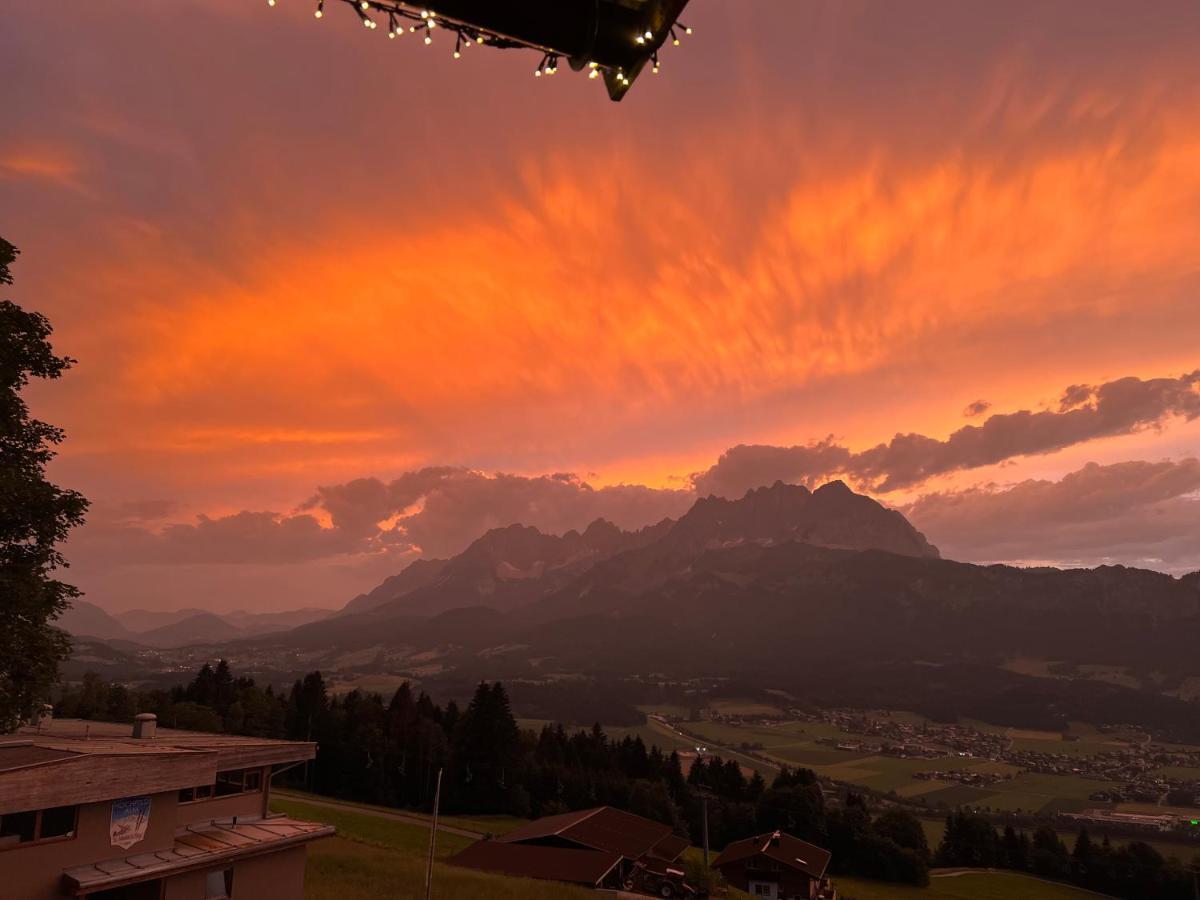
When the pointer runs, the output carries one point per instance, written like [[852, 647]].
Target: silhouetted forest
[[388, 751]]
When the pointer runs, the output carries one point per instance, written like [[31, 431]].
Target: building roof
[[783, 848], [19, 754], [232, 750], [67, 761], [603, 828], [670, 848], [196, 847], [588, 867]]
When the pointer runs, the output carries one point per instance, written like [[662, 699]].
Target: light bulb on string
[[404, 14]]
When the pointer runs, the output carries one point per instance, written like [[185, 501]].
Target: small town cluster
[[1141, 767]]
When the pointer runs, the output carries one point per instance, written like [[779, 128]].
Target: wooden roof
[[783, 848], [19, 754], [195, 847], [69, 761], [233, 750], [602, 828]]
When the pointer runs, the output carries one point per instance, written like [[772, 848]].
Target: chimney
[[144, 725]]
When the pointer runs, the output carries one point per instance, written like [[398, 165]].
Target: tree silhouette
[[35, 516]]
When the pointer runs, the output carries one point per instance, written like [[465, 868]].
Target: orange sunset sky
[[340, 301]]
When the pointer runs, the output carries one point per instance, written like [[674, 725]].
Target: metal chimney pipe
[[144, 726]]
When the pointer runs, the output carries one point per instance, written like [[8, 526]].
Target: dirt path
[[407, 818]]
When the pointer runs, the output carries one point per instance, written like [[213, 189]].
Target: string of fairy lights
[[402, 19]]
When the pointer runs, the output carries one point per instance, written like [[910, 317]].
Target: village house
[[777, 867], [601, 847], [120, 812]]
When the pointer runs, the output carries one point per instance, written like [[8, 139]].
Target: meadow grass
[[342, 869], [373, 857], [482, 824], [372, 831], [969, 886]]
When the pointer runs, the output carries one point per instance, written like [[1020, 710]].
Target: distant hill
[[250, 623], [85, 619], [139, 620], [165, 629], [202, 628]]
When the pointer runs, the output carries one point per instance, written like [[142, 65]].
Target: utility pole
[[705, 799], [437, 799]]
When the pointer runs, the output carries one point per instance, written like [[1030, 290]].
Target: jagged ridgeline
[[779, 580]]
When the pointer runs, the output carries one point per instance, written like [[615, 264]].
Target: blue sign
[[130, 817]]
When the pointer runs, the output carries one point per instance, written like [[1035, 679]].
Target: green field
[[795, 744]]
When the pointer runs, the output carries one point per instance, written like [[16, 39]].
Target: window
[[37, 825], [18, 828], [229, 782], [58, 822], [218, 884], [238, 781]]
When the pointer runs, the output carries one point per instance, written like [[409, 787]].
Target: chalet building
[[114, 812], [778, 867], [602, 848]]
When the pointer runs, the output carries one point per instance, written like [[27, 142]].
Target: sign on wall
[[127, 825]]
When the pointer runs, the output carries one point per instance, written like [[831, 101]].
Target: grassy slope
[[494, 825], [971, 886], [373, 858]]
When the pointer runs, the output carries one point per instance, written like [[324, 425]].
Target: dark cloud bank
[[1084, 412], [1139, 513]]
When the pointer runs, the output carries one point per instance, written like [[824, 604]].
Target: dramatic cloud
[[1136, 513], [1084, 413], [749, 466], [978, 408], [431, 512], [438, 511], [320, 254]]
